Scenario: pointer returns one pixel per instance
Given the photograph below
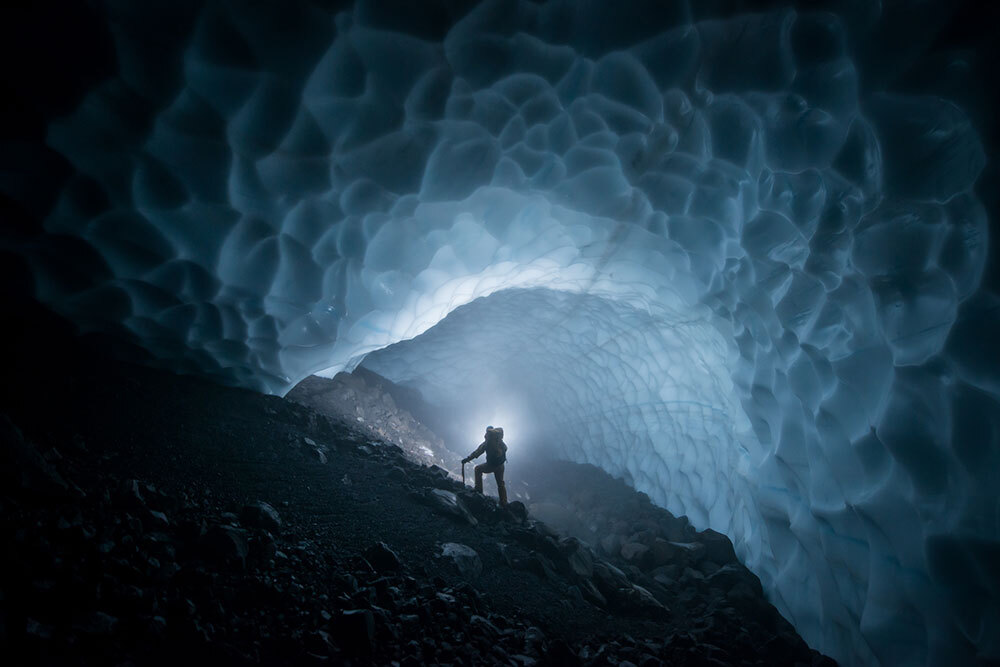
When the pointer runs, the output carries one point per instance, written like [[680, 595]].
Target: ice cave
[[709, 247]]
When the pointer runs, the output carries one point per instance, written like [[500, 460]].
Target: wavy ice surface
[[770, 286]]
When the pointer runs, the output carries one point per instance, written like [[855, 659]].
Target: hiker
[[496, 455]]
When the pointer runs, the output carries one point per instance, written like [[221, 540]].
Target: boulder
[[261, 515], [718, 547], [543, 529], [591, 594], [549, 546], [611, 544], [690, 575], [449, 504], [677, 529], [724, 577], [541, 566], [346, 582], [262, 549], [634, 552], [438, 471], [609, 579], [131, 495], [476, 503], [642, 537], [382, 558], [225, 545], [577, 557], [729, 576], [641, 599], [708, 567], [158, 520], [666, 574], [665, 552], [465, 558], [482, 627], [159, 501], [518, 509]]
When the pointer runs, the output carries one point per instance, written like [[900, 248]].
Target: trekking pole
[[463, 473]]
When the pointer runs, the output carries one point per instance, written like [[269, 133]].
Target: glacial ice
[[710, 264]]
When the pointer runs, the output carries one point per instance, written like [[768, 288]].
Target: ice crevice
[[704, 260]]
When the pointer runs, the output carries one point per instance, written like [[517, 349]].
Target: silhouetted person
[[496, 455]]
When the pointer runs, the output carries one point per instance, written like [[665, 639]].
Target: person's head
[[489, 429], [491, 435]]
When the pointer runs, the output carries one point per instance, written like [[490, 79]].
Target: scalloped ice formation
[[712, 267]]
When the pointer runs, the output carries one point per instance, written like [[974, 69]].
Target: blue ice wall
[[771, 273]]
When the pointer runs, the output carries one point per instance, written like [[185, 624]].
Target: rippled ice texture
[[769, 288]]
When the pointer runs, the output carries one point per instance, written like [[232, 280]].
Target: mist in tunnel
[[583, 377], [645, 397], [707, 247]]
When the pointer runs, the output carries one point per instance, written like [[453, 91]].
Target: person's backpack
[[496, 452]]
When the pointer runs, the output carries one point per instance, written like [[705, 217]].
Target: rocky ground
[[147, 518], [359, 401]]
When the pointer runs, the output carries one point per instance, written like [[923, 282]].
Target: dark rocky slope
[[149, 518]]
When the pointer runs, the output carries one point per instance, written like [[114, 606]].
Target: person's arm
[[476, 454]]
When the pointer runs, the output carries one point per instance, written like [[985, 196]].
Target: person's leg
[[480, 469], [501, 487]]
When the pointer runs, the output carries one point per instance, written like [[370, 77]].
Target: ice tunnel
[[694, 239]]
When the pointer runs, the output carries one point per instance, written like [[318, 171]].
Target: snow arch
[[280, 206]]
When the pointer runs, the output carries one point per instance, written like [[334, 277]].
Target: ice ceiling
[[706, 258]]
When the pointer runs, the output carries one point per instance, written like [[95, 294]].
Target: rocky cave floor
[[149, 518]]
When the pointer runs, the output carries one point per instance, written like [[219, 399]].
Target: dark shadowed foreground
[[149, 518]]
